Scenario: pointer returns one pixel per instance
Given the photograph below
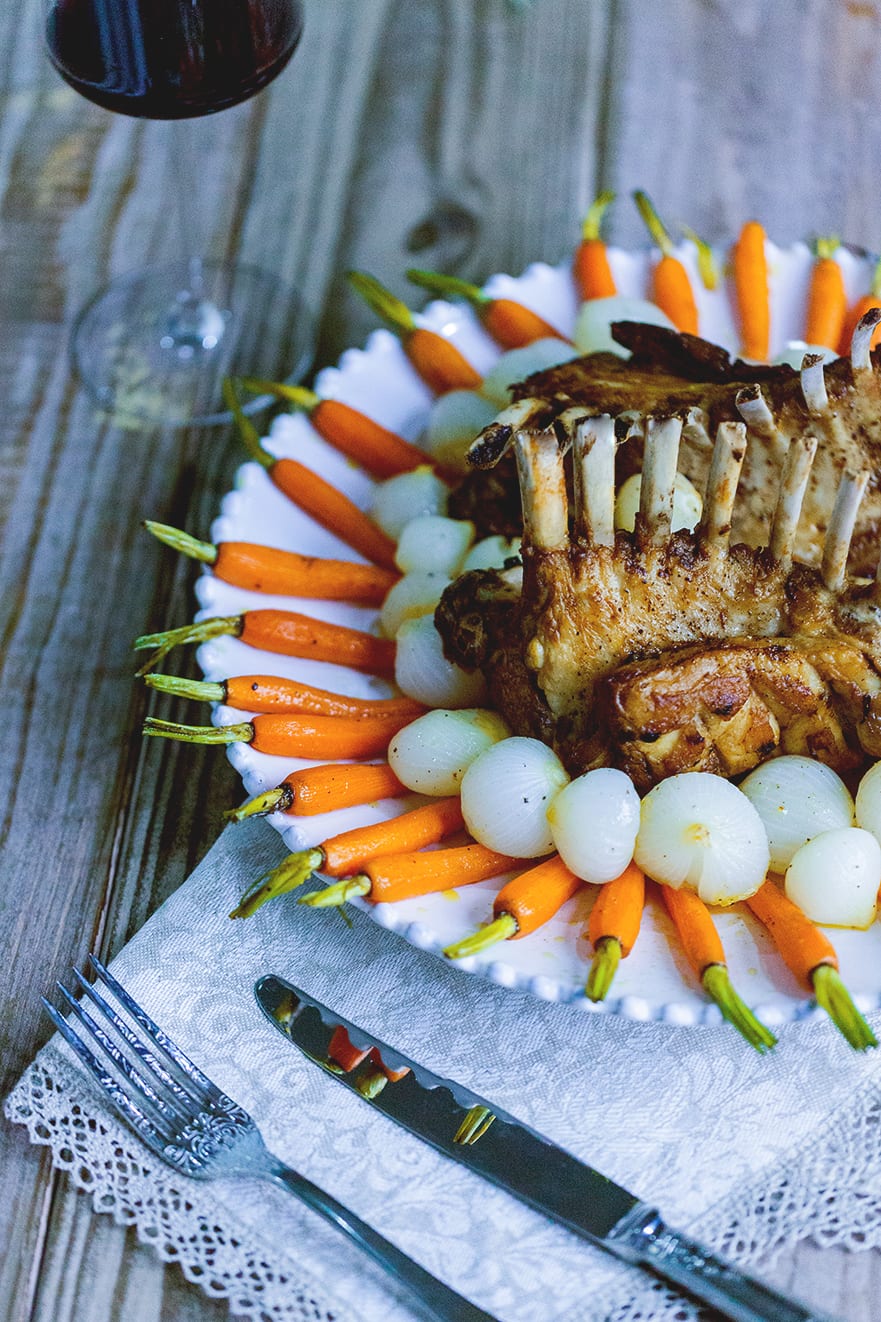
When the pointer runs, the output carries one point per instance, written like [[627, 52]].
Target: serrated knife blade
[[527, 1165]]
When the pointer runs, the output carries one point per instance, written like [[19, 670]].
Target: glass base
[[149, 349]]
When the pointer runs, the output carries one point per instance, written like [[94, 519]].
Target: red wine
[[171, 59]]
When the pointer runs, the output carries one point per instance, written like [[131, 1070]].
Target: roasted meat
[[673, 375], [660, 652]]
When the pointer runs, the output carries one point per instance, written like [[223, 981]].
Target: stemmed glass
[[156, 344]]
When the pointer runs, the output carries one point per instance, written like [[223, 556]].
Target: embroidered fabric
[[742, 1152]]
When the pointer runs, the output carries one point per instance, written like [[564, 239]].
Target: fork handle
[[443, 1302]]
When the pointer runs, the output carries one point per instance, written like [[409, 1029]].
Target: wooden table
[[465, 135]]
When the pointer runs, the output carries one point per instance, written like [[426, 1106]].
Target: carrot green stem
[[835, 999], [590, 226], [246, 429], [602, 970], [450, 285], [706, 261], [198, 689], [500, 929], [269, 801], [333, 896], [717, 984], [182, 541], [827, 246], [383, 302], [292, 872], [240, 733], [301, 396], [199, 632], [371, 1084], [653, 222], [474, 1126]]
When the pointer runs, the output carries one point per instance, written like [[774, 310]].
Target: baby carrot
[[436, 359], [293, 736], [827, 301], [315, 496], [522, 906], [509, 323], [272, 693], [286, 632], [863, 305], [341, 854], [324, 789], [613, 927], [258, 568], [402, 876], [590, 266], [671, 286], [811, 957], [701, 944], [381, 452], [750, 263], [342, 1054]]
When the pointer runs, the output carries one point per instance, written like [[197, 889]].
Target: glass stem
[[195, 323]]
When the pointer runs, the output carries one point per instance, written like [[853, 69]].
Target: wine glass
[[156, 344]]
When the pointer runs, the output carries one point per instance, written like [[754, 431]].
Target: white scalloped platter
[[655, 982]]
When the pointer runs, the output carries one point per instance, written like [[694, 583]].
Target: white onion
[[794, 351], [593, 332], [697, 830], [491, 553], [506, 793], [424, 673], [517, 364], [868, 804], [594, 822], [455, 419], [432, 753], [412, 596], [834, 878], [432, 543], [401, 498], [796, 798], [687, 503]]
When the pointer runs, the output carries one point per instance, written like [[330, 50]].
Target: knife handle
[[643, 1237]]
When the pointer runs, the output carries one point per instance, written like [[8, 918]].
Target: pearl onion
[[834, 877], [796, 798], [432, 753], [594, 822], [506, 793]]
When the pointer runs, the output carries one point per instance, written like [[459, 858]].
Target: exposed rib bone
[[593, 458], [694, 427], [660, 459], [543, 489], [724, 474], [567, 425], [629, 423], [861, 342], [793, 484], [753, 408], [840, 530], [813, 383], [493, 441]]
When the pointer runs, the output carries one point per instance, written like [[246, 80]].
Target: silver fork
[[187, 1121]]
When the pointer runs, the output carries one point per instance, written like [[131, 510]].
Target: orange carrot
[[286, 632], [701, 944], [509, 323], [324, 789], [522, 906], [381, 452], [593, 274], [293, 736], [342, 1053], [258, 568], [273, 693], [827, 301], [863, 305], [613, 927], [750, 264], [671, 286], [812, 958], [436, 359], [402, 876], [341, 854]]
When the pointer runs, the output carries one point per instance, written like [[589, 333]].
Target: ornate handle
[[642, 1237]]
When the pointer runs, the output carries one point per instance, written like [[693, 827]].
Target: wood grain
[[467, 134]]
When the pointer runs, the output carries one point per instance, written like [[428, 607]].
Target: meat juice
[[171, 59]]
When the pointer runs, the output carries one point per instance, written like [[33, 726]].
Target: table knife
[[466, 1127]]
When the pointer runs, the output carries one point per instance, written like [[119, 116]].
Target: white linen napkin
[[744, 1152]]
